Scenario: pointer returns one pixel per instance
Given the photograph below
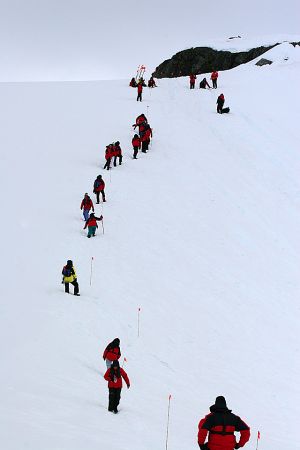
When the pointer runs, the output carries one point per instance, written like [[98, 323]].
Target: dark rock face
[[203, 60], [263, 62]]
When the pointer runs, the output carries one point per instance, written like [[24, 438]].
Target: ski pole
[[138, 324], [91, 275], [102, 225], [168, 421], [258, 437], [124, 361]]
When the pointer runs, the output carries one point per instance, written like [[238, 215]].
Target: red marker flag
[[258, 435]]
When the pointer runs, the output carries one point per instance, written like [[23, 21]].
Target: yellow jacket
[[71, 278]]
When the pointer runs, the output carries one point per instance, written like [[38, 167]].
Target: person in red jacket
[[220, 103], [114, 377], [86, 206], [136, 144], [193, 79], [112, 352], [132, 82], [220, 425], [140, 91], [108, 155], [214, 79], [145, 138], [117, 153], [99, 186], [92, 225]]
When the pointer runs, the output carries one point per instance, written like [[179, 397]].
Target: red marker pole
[[258, 438], [138, 324], [168, 421], [91, 275]]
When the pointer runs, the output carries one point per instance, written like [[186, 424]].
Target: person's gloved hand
[[237, 446], [128, 386], [203, 446]]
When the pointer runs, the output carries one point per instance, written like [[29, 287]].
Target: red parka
[[112, 353], [99, 185], [136, 142], [193, 77], [87, 204], [140, 88], [116, 382], [220, 427], [214, 75]]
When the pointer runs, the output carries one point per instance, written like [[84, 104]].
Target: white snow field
[[201, 233]]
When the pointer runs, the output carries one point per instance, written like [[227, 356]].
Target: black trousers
[[139, 97], [114, 399], [120, 160], [145, 146], [76, 287], [135, 152], [214, 82], [98, 195], [107, 164], [192, 85]]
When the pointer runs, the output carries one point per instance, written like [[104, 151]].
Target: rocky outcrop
[[263, 62], [204, 60]]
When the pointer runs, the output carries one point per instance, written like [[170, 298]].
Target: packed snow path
[[202, 233]]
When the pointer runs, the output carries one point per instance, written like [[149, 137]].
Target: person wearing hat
[[114, 377], [99, 186], [117, 153], [203, 84], [92, 225], [86, 206], [69, 276], [220, 425], [112, 352], [220, 103]]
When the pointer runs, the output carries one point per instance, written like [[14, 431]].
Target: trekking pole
[[102, 225], [138, 324], [91, 275], [258, 438], [168, 421]]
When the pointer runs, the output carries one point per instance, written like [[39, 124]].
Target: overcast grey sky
[[71, 39]]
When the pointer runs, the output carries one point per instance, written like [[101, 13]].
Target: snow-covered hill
[[202, 234]]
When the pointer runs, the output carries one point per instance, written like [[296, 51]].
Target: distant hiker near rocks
[[220, 104], [114, 377], [92, 225], [132, 83], [193, 79], [203, 84], [220, 425], [140, 91], [136, 144], [99, 186], [214, 79], [86, 206], [112, 352], [117, 153], [151, 83], [69, 276]]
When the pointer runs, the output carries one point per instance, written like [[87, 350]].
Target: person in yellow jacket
[[69, 276]]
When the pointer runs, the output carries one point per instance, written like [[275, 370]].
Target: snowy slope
[[202, 234]]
